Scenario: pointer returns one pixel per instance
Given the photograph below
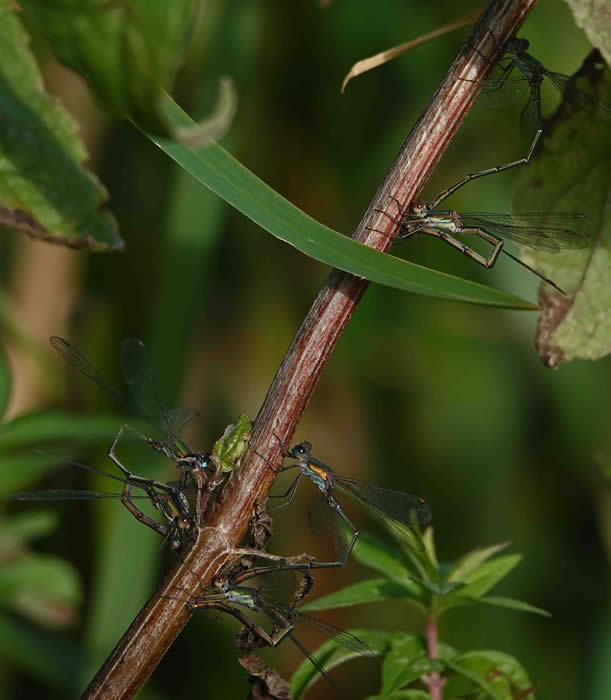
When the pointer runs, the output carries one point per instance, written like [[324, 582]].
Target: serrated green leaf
[[229, 179], [374, 590], [5, 381], [573, 174], [376, 554], [499, 674], [480, 581], [330, 655], [44, 189], [472, 560], [233, 444], [54, 426], [129, 51]]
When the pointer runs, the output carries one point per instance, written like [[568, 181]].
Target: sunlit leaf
[[573, 174], [229, 179], [44, 189]]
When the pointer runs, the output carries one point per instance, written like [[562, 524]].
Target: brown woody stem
[[163, 617]]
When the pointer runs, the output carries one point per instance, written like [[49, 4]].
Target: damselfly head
[[419, 209], [221, 581], [515, 45], [183, 522], [301, 450]]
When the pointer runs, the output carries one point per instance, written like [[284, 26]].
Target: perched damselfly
[[167, 499], [400, 512], [271, 596], [533, 73], [145, 401], [551, 232]]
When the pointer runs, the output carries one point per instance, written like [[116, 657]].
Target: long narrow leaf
[[228, 178]]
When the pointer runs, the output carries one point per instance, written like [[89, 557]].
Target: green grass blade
[[229, 179]]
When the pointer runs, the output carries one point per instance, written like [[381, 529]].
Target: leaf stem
[[163, 617]]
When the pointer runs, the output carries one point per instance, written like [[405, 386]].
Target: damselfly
[[145, 400], [533, 72], [167, 499], [269, 596], [400, 512], [550, 232]]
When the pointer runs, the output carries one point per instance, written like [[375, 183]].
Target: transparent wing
[[565, 85], [530, 117], [324, 519], [400, 512], [503, 91], [344, 639], [320, 516], [551, 232], [65, 495], [80, 364], [137, 372], [278, 587], [179, 419]]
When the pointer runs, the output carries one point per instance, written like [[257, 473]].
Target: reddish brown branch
[[162, 618]]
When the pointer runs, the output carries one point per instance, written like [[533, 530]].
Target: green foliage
[[44, 189], [417, 578], [229, 448], [54, 426], [51, 659], [330, 655], [128, 51], [189, 275], [5, 381], [574, 174], [229, 179]]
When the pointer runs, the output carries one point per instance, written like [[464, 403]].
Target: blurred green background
[[447, 401]]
